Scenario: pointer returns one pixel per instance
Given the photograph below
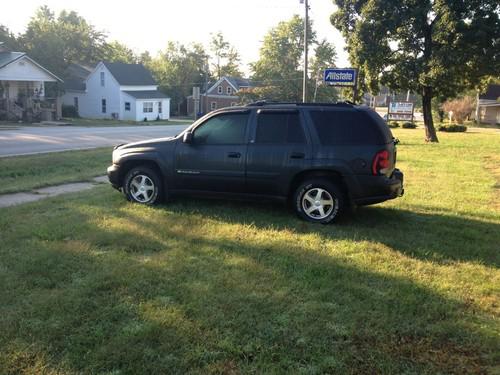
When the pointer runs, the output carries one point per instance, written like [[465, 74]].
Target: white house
[[22, 89], [115, 90]]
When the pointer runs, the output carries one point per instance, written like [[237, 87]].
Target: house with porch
[[23, 89], [115, 91], [220, 94]]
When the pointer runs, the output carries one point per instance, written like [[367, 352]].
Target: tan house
[[22, 89], [488, 105], [220, 94]]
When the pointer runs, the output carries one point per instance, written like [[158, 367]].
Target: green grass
[[94, 284], [23, 173]]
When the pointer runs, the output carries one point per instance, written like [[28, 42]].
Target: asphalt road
[[33, 140]]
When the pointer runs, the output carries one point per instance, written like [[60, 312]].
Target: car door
[[278, 149], [214, 160]]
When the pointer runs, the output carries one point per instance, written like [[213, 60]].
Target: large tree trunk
[[430, 131]]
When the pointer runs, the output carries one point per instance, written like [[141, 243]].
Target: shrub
[[145, 119], [393, 124], [69, 111], [409, 125], [452, 128], [460, 108]]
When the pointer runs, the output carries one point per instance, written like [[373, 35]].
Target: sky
[[148, 25]]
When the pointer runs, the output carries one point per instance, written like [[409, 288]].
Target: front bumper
[[114, 176], [380, 188]]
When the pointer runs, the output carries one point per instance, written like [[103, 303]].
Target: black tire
[[308, 208], [152, 187]]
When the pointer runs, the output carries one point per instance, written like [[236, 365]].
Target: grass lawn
[[94, 284], [22, 173]]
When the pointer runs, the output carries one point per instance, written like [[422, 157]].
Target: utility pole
[[306, 22]]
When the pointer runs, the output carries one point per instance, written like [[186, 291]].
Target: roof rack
[[262, 103]]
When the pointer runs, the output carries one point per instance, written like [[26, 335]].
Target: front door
[[215, 159], [278, 149]]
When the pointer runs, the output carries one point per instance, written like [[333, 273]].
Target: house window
[[103, 105], [102, 79], [127, 106], [228, 90], [213, 106], [219, 89], [75, 103], [147, 107], [160, 109]]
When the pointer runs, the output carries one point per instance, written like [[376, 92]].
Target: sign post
[[196, 100], [347, 77]]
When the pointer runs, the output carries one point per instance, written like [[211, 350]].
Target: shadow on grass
[[435, 237], [94, 300]]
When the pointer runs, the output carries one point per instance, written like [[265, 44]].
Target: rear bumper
[[114, 176], [380, 188]]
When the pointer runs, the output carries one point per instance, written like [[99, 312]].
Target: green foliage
[[452, 128], [178, 68], [226, 59], [118, 52], [324, 57], [409, 125], [393, 124], [69, 111], [435, 48], [56, 42], [8, 39], [280, 61]]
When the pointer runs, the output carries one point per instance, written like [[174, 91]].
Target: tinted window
[[279, 128], [338, 127], [222, 129]]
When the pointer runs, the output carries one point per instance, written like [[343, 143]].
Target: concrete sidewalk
[[8, 200]]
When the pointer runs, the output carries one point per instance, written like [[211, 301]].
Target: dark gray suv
[[321, 158]]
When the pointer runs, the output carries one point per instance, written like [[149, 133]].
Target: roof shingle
[[130, 74]]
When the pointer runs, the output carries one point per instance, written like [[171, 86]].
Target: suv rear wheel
[[319, 201], [142, 185]]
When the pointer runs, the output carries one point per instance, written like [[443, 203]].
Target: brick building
[[219, 95]]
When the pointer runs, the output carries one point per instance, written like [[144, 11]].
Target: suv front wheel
[[142, 185], [319, 201]]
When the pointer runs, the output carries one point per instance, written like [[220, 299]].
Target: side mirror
[[187, 138]]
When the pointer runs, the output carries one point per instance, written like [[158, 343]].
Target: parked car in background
[[320, 158]]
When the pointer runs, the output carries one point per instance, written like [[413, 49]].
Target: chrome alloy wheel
[[142, 188], [317, 203]]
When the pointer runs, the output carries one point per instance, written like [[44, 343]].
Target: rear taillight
[[381, 163]]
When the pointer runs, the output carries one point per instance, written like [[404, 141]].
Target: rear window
[[279, 128], [340, 127]]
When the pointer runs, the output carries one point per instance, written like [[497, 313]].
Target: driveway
[[32, 140]]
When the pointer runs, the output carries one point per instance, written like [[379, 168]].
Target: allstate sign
[[340, 77]]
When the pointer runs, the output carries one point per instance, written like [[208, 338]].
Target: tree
[[324, 57], [118, 52], [280, 60], [433, 47], [57, 42], [178, 68], [8, 40], [226, 58]]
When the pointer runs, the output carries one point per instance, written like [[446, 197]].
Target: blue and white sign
[[340, 77]]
